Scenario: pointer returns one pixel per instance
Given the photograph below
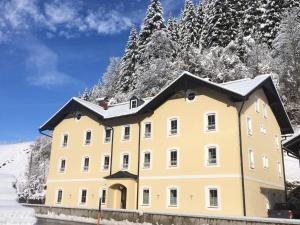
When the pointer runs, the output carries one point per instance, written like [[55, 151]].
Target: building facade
[[196, 147]]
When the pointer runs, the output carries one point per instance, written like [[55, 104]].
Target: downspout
[[283, 167], [241, 158], [111, 149], [138, 169]]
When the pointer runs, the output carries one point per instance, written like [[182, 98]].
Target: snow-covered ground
[[292, 169], [13, 160]]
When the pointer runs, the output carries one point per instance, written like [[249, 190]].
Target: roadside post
[[99, 212]]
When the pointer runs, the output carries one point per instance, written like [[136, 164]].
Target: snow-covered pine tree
[[188, 27], [153, 21], [251, 17], [221, 23], [158, 68], [127, 80], [106, 87], [173, 33], [173, 29], [290, 4], [287, 50], [199, 22], [270, 19]]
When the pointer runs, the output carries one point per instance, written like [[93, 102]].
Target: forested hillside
[[215, 39]]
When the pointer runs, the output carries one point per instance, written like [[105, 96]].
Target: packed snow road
[[58, 222]]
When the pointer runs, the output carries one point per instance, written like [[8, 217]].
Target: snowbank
[[11, 212]]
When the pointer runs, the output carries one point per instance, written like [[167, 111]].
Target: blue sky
[[52, 50]]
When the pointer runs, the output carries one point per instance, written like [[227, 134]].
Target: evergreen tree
[[127, 77], [173, 29], [290, 4], [153, 21], [271, 18], [199, 22], [251, 17], [221, 26], [173, 33], [188, 27], [287, 48]]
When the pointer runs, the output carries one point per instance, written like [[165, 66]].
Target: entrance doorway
[[118, 194]]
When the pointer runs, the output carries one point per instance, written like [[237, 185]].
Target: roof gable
[[237, 91]]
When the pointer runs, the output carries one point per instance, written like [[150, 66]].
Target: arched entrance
[[118, 192]]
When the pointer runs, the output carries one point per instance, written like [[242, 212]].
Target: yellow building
[[196, 147]]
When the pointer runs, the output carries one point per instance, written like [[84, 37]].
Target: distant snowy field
[[13, 160], [292, 169]]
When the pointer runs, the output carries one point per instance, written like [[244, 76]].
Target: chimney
[[103, 102]]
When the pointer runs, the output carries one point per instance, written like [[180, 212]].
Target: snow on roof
[[245, 86], [242, 87], [239, 87], [116, 110]]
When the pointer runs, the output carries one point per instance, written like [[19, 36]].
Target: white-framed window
[[263, 129], [173, 197], [146, 196], [125, 161], [173, 158], [213, 198], [126, 133], [105, 162], [65, 139], [83, 196], [88, 137], [251, 159], [210, 122], [277, 142], [265, 161], [249, 126], [146, 160], [86, 164], [107, 134], [62, 165], [265, 112], [133, 103], [147, 130], [59, 196], [279, 169], [173, 127], [257, 108], [103, 195], [212, 155]]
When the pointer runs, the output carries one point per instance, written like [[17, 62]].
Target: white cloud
[[42, 65], [59, 17], [107, 22]]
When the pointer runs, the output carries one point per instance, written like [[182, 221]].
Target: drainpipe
[[241, 158], [283, 167], [138, 169], [111, 149]]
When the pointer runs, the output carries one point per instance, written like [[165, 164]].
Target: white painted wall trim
[[206, 176], [74, 180], [263, 182]]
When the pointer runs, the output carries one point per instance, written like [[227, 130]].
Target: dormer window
[[133, 103]]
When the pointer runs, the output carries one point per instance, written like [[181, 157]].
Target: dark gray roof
[[122, 175], [292, 145], [237, 91]]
